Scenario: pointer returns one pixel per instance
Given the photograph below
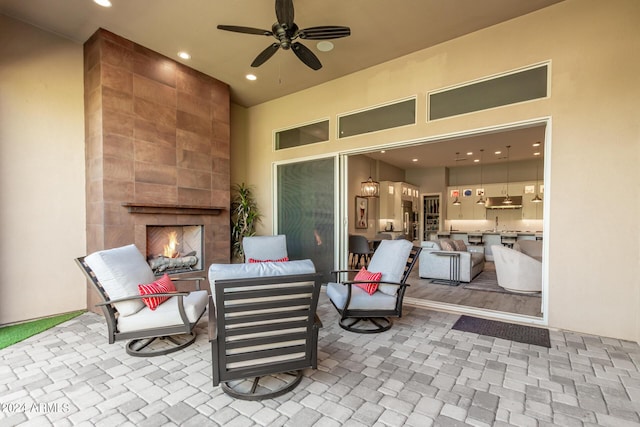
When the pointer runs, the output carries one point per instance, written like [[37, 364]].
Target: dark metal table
[[454, 269]]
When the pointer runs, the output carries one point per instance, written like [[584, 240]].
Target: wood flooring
[[509, 303]]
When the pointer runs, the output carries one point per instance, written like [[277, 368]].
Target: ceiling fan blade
[[245, 30], [324, 32], [284, 12], [305, 55], [265, 54]]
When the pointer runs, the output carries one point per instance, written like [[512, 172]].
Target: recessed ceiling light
[[498, 152], [536, 144], [324, 46], [536, 154], [184, 55], [476, 161], [383, 151], [469, 153], [414, 160], [103, 3], [251, 77]]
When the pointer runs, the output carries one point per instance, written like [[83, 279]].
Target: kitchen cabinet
[[387, 200], [468, 209], [531, 210], [392, 197]]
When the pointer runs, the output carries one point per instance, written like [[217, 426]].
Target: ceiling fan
[[285, 31]]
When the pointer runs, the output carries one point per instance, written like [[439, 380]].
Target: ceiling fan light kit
[[286, 32]]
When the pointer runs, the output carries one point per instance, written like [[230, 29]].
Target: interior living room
[[427, 175], [107, 134]]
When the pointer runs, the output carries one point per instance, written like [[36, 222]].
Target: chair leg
[[266, 387], [138, 347], [374, 325]]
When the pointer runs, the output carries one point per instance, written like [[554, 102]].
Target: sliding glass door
[[306, 210]]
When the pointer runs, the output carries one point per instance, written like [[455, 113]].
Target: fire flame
[[170, 250]]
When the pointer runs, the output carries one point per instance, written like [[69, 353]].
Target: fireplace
[[175, 248]]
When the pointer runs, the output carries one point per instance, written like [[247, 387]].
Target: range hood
[[496, 203]]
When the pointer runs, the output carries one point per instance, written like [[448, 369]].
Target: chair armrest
[[166, 294], [352, 282]]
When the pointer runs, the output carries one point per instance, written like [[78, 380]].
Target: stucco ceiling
[[381, 30]]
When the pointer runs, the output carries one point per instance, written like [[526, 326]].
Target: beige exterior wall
[[42, 209], [595, 149]]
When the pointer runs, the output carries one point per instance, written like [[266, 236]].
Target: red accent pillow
[[252, 260], [364, 274], [160, 286]]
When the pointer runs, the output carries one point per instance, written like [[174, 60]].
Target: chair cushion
[[260, 269], [390, 259], [265, 247], [360, 299], [166, 314], [120, 271], [366, 275], [160, 286]]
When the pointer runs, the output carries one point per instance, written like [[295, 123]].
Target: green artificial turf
[[12, 334]]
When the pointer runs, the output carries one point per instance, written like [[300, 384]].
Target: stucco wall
[[594, 149], [42, 209]]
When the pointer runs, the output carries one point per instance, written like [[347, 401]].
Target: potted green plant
[[244, 217]]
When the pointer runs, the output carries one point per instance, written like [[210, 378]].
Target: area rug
[[507, 331], [12, 334], [487, 281]]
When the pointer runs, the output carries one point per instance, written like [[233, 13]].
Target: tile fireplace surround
[[157, 148]]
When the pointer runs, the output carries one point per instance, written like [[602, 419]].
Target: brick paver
[[420, 373]]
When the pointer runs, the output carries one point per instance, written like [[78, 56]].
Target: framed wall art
[[362, 212]]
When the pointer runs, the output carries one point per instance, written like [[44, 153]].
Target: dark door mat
[[507, 331]]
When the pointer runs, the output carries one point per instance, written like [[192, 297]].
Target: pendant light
[[537, 198], [481, 200], [370, 188], [456, 201], [507, 200]]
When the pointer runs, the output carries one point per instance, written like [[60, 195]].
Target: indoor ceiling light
[[370, 188], [251, 77], [507, 200], [184, 55], [103, 3], [481, 200], [537, 198]]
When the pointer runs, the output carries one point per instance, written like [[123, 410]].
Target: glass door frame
[[337, 230], [544, 304]]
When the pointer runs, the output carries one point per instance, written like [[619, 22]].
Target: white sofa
[[516, 271], [434, 266]]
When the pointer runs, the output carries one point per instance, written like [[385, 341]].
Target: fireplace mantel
[[151, 208]]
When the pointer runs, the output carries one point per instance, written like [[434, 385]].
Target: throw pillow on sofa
[[459, 246], [447, 245]]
